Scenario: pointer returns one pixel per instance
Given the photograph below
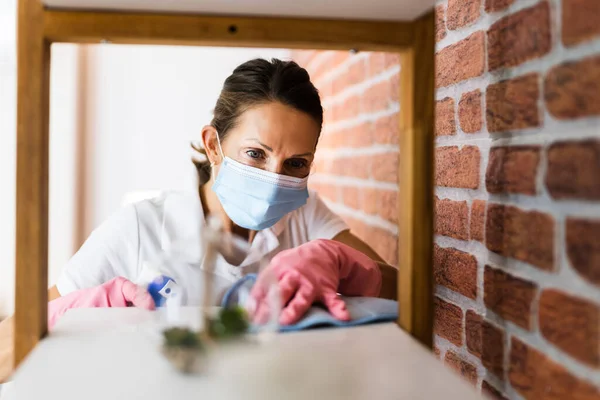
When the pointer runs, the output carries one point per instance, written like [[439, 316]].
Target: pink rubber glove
[[118, 292], [315, 272]]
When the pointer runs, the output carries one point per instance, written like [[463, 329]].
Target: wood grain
[[173, 29], [33, 85], [415, 247]]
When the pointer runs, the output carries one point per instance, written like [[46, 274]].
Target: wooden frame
[[38, 28]]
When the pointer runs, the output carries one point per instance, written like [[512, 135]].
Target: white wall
[[7, 152], [63, 131], [144, 106]]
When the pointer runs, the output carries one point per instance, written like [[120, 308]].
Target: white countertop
[[114, 354]]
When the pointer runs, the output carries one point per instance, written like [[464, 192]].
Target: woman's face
[[273, 137]]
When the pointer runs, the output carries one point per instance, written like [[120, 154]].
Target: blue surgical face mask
[[256, 199]]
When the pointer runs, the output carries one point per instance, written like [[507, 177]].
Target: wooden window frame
[[39, 27]]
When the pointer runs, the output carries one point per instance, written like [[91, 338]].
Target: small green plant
[[183, 338], [230, 323]]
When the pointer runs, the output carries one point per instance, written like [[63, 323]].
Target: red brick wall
[[517, 255], [357, 157]]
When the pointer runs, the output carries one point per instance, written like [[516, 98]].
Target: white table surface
[[114, 354]]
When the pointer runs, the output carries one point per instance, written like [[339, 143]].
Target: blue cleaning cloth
[[363, 310]]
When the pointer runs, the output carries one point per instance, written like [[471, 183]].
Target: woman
[[259, 147]]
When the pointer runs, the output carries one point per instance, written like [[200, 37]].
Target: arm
[[389, 284]]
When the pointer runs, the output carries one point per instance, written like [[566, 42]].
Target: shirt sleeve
[[321, 222], [110, 251]]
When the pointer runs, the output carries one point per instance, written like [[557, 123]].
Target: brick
[[519, 37], [325, 90], [461, 61], [370, 200], [384, 243], [381, 202], [358, 228], [359, 135], [388, 205], [385, 167], [452, 218], [513, 104], [477, 228], [574, 170], [485, 341], [356, 136], [524, 235], [337, 58], [436, 351], [444, 117], [473, 335], [440, 28], [376, 98], [349, 109], [491, 392], [356, 166], [351, 197], [492, 349], [391, 59], [580, 21], [457, 167], [357, 72], [462, 13], [320, 165], [325, 190], [394, 87], [513, 169], [333, 140], [376, 63], [448, 321], [497, 5], [467, 370], [469, 112], [328, 116], [302, 57], [339, 82], [455, 270], [572, 324], [386, 130], [509, 296], [583, 247], [535, 376], [572, 89]]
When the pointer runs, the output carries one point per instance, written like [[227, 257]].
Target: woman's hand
[[118, 292], [315, 272]]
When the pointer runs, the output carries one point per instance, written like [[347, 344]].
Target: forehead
[[278, 126]]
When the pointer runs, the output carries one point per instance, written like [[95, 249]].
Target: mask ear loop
[[212, 163]]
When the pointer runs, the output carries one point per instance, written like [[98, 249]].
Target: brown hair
[[257, 82]]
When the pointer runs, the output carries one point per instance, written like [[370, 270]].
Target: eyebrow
[[271, 149], [302, 155], [261, 143]]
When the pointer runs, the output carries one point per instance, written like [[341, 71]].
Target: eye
[[297, 163], [256, 154]]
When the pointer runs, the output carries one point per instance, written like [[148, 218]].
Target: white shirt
[[146, 231]]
